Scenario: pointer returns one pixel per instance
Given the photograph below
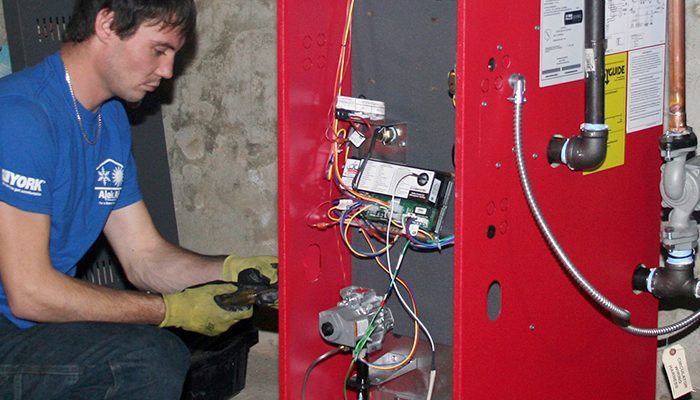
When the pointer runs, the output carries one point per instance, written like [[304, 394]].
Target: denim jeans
[[90, 360]]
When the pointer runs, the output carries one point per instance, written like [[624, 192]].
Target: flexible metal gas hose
[[518, 83], [664, 330]]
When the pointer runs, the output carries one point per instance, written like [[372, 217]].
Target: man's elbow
[[25, 303]]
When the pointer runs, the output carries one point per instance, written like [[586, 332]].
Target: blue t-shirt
[[47, 167]]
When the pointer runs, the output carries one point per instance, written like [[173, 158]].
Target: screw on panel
[[535, 156], [499, 47], [532, 327], [484, 104], [498, 164], [537, 27]]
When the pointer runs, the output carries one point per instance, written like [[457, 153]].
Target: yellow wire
[[348, 222], [330, 215]]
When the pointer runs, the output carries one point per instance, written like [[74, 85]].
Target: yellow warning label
[[615, 110]]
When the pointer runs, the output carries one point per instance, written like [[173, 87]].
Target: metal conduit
[[517, 82]]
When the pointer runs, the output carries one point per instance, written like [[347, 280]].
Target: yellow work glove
[[194, 309], [266, 265]]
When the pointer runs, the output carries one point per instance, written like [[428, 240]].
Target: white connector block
[[370, 109]]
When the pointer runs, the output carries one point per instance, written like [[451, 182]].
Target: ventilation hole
[[493, 301], [492, 64]]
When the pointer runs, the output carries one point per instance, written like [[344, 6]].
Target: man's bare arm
[[37, 292], [150, 262]]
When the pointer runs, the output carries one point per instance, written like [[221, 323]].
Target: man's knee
[[151, 363], [119, 361], [159, 352]]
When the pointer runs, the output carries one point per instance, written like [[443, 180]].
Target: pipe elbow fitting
[[582, 152], [673, 178]]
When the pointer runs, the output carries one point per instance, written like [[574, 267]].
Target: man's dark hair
[[129, 15]]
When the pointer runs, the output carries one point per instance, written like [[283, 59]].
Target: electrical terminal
[[347, 107]]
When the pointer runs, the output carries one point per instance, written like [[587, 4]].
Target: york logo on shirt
[[109, 176], [22, 184]]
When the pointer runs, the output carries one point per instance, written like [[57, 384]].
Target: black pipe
[[587, 150], [667, 282], [594, 12], [582, 152]]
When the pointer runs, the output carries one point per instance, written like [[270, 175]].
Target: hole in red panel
[[312, 263], [493, 301]]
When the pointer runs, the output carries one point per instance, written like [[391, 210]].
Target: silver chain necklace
[[80, 119]]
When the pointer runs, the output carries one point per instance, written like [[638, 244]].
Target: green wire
[[372, 325]]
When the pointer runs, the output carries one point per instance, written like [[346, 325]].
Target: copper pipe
[[676, 44]]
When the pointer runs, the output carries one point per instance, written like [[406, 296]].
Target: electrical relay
[[420, 195]]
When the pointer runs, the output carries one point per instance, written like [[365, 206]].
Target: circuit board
[[420, 195]]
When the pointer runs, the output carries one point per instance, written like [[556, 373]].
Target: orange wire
[[414, 346]]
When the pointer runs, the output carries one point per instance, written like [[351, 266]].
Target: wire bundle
[[348, 211]]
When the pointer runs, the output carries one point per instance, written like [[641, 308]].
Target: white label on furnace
[[435, 190], [391, 179], [561, 41], [645, 88], [633, 24]]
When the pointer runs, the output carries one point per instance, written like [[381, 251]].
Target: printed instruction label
[[615, 110], [676, 366], [561, 41], [633, 24], [645, 88], [388, 179]]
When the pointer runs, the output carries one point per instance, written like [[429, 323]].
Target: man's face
[[138, 63]]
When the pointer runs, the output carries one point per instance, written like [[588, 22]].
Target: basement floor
[[262, 371]]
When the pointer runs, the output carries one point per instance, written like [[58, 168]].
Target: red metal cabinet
[[550, 341]]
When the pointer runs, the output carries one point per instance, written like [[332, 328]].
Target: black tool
[[253, 288]]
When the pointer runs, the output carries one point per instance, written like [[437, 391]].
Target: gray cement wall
[[3, 34], [221, 131]]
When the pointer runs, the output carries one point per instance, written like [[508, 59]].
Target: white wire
[[391, 216], [404, 304], [410, 312], [388, 262], [391, 212], [431, 385]]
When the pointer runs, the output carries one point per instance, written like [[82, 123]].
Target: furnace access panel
[[396, 131]]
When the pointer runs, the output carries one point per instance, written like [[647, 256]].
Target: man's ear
[[103, 25]]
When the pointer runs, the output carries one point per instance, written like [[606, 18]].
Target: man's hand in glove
[[266, 265], [194, 309]]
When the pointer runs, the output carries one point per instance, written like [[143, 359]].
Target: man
[[67, 175]]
